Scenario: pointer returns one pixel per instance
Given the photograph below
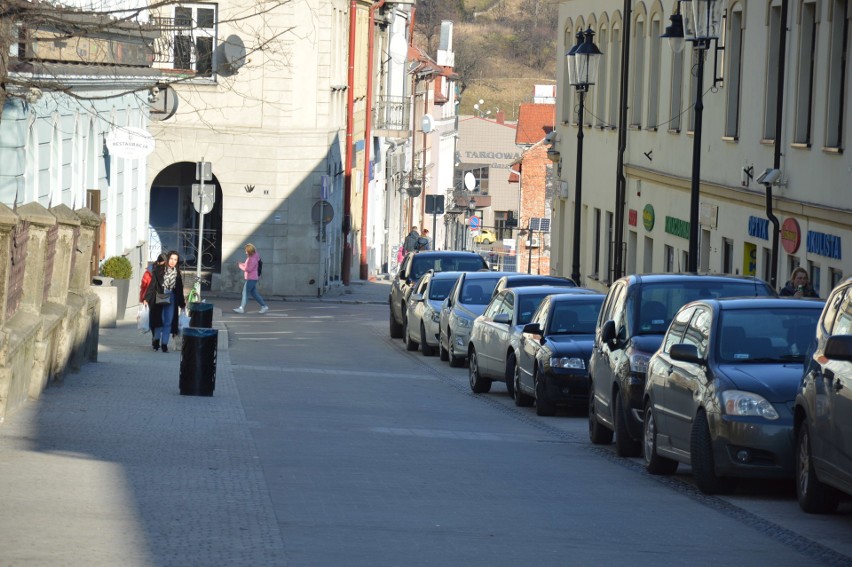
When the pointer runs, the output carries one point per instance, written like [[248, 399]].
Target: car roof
[[445, 253], [535, 278], [548, 289], [689, 276], [485, 274], [738, 303], [445, 275], [573, 295]]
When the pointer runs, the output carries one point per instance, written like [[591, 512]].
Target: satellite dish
[[469, 181], [231, 55], [427, 124], [398, 48]]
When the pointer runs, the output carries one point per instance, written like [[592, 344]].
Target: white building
[[739, 134]]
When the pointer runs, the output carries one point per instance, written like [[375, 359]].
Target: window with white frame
[[615, 71], [676, 98], [734, 52], [600, 107], [805, 75], [638, 68], [654, 73], [838, 53], [188, 38], [772, 71]]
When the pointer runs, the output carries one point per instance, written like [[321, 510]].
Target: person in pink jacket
[[250, 268]]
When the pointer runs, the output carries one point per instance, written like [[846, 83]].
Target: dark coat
[[788, 291], [155, 287]]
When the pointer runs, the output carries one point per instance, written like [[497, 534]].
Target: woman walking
[[251, 275], [146, 281], [164, 298]]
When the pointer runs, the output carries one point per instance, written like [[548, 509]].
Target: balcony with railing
[[391, 117]]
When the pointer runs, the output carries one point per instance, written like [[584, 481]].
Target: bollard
[[201, 315], [198, 361]]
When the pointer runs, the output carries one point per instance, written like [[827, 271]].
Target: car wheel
[[442, 352], [455, 361], [814, 496], [701, 458], [543, 405], [521, 399], [425, 348], [406, 336], [625, 445], [478, 384], [599, 434], [395, 328], [654, 463], [510, 375]]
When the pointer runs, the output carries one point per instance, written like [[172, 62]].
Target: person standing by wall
[[164, 298], [410, 244], [250, 273], [799, 285]]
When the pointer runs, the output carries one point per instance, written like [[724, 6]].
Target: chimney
[[500, 117]]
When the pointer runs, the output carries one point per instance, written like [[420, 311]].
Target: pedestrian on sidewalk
[[164, 298], [146, 281], [799, 285], [251, 274], [410, 242]]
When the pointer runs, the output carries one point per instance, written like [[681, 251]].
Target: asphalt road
[[375, 456]]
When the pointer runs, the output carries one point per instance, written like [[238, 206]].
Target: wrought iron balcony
[[391, 117]]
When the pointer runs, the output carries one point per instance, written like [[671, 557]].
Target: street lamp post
[[583, 61], [701, 27]]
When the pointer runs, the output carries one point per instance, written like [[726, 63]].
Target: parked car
[[423, 313], [720, 389], [485, 236], [492, 350], [635, 315], [823, 410], [518, 280], [466, 302], [552, 366], [415, 265]]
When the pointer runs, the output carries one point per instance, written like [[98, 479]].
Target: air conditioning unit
[[532, 243]]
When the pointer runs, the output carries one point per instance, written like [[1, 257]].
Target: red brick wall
[[533, 180]]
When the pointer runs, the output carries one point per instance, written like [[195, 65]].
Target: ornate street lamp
[[702, 26], [583, 60]]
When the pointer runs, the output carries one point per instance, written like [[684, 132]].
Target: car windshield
[[527, 305], [478, 291], [655, 306], [422, 264], [575, 317], [764, 335], [440, 289]]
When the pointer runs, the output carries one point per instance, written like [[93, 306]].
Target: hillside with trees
[[502, 48]]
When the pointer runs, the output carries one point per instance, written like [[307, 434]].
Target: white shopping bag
[[142, 319]]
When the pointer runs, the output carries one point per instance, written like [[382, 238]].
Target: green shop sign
[[677, 227], [648, 217]]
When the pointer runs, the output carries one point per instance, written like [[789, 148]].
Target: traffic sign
[[209, 195], [473, 222]]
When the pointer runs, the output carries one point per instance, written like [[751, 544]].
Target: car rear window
[[422, 264], [657, 303], [527, 306], [575, 317], [440, 289], [783, 335]]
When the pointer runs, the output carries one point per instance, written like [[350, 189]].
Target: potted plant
[[120, 270]]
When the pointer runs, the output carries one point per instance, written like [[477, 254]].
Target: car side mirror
[[502, 318], [533, 329], [839, 347], [608, 332], [685, 353], [416, 297]]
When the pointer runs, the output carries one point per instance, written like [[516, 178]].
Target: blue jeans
[[163, 333], [250, 289]]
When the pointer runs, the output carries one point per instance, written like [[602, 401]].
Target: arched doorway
[[173, 221]]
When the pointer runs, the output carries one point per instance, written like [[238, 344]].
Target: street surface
[[377, 456]]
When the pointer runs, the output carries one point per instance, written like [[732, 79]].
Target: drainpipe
[[620, 180], [368, 135], [776, 163], [347, 174]]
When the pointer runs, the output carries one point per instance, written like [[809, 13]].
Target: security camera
[[769, 176]]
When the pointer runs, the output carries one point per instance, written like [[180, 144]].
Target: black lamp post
[[702, 27], [583, 61]]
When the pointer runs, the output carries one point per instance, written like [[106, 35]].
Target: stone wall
[[49, 317]]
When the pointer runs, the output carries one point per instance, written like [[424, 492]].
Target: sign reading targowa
[[129, 142]]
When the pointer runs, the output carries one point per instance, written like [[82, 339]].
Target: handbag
[[164, 298]]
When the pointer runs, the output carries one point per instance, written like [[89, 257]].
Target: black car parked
[[823, 411], [415, 265], [553, 364], [635, 315]]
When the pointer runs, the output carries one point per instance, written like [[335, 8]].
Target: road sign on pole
[[473, 221]]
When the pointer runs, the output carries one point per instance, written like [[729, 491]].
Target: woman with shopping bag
[[164, 298], [143, 316]]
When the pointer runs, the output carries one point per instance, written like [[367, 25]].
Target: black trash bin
[[198, 362], [201, 315]]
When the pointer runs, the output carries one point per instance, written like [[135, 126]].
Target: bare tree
[[428, 17]]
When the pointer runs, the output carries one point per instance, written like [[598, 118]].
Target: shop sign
[[791, 235], [749, 259], [758, 227], [130, 143], [648, 217], [678, 227], [822, 244]]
